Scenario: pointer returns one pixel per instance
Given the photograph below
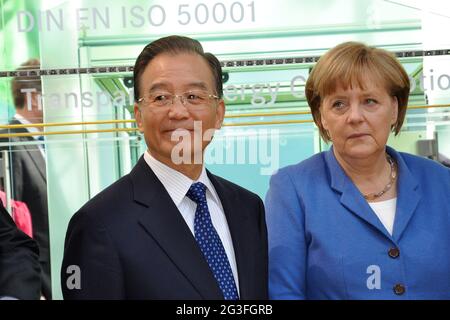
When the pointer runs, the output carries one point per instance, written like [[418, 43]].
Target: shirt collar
[[22, 120], [176, 183]]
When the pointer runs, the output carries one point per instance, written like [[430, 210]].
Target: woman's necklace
[[373, 196]]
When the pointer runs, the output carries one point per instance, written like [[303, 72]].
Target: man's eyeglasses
[[192, 98]]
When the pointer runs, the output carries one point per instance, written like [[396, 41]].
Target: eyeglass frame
[[182, 99]]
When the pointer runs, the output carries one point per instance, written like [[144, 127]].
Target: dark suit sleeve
[[19, 261], [28, 186], [89, 249], [17, 174], [265, 254]]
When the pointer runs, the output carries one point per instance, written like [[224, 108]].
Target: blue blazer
[[325, 242]]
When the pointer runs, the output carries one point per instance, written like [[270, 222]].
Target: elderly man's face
[[359, 120], [167, 75]]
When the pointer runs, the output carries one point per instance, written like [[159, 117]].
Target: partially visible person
[[362, 220], [19, 262], [28, 178], [444, 160], [20, 214]]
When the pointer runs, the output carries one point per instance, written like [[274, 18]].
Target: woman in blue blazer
[[360, 221]]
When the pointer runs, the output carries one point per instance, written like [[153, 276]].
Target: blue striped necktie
[[210, 243]]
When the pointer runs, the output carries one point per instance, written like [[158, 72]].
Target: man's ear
[[35, 101], [220, 114], [30, 101], [138, 117]]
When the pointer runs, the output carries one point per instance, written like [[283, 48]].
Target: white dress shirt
[[22, 120], [385, 211], [177, 185]]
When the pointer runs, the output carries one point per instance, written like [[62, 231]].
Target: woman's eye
[[371, 101], [338, 105]]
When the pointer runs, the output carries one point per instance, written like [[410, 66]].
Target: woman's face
[[359, 120]]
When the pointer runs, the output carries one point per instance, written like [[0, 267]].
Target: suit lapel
[[36, 158], [32, 150], [351, 198], [408, 195], [164, 223], [235, 212]]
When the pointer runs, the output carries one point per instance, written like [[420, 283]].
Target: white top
[[385, 211], [22, 120], [177, 185]]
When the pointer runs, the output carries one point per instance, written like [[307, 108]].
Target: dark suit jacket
[[29, 185], [131, 242], [19, 264]]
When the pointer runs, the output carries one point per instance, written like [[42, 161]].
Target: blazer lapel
[[32, 150], [164, 223], [37, 158], [408, 195], [351, 198], [235, 212]]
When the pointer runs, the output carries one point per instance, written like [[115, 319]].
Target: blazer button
[[394, 253], [399, 289]]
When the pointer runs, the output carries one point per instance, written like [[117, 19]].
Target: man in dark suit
[[170, 229], [27, 162], [19, 264]]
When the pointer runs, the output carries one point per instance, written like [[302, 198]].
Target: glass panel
[[267, 50]]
